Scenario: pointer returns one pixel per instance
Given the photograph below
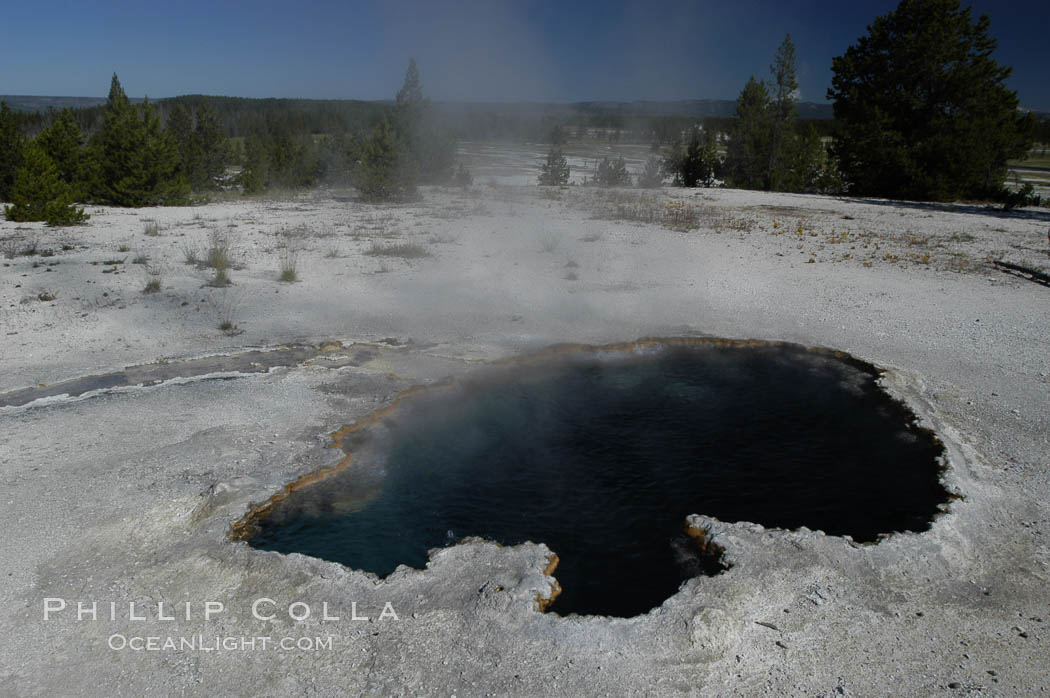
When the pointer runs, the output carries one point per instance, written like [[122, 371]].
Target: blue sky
[[485, 50]]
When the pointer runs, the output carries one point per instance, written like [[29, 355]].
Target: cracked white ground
[[127, 496]]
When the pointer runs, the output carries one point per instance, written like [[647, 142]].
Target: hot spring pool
[[601, 456]]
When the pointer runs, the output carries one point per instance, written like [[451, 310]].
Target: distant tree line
[[921, 111], [130, 160], [280, 142], [123, 154], [384, 150], [581, 123], [765, 147]]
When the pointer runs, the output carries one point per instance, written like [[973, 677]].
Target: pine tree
[[12, 147], [40, 194], [410, 106], [748, 152], [713, 164], [923, 109], [766, 150], [782, 114], [694, 164], [653, 174], [211, 143], [803, 162], [555, 171], [115, 146], [162, 182], [411, 93], [180, 126], [384, 174], [612, 173], [429, 146], [255, 173], [136, 162], [63, 142]]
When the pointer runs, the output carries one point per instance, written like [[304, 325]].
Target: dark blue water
[[602, 460]]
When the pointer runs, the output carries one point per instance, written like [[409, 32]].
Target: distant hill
[[699, 107], [686, 107], [32, 103]]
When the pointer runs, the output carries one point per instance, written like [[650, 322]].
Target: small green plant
[[47, 295], [140, 259], [152, 286], [151, 228], [549, 242], [189, 253]]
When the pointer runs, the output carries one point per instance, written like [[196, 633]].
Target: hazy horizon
[[485, 52]]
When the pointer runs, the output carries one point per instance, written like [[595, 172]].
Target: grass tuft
[[153, 281], [289, 264], [226, 307], [221, 278], [218, 255]]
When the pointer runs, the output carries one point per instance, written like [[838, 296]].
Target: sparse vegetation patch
[[402, 250], [289, 265]]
